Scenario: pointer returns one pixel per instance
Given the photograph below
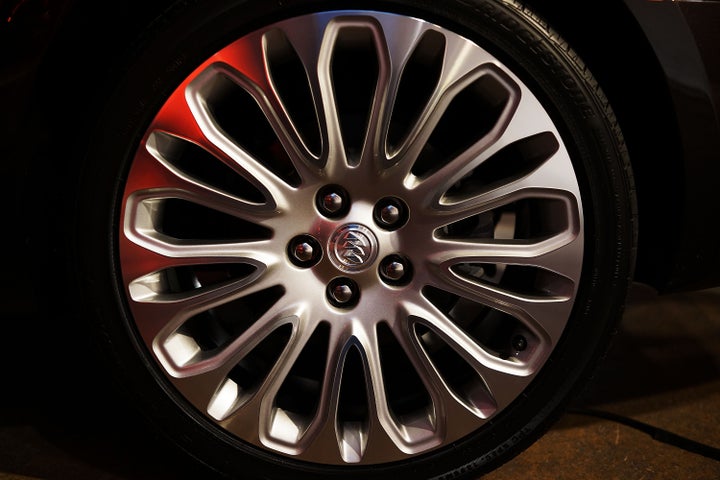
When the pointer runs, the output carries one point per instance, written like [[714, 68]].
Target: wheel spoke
[[470, 350], [411, 431], [503, 379], [142, 207], [153, 172], [315, 47], [515, 123], [549, 254], [450, 414], [279, 428], [179, 121], [251, 167], [250, 59], [257, 253], [541, 315], [164, 312]]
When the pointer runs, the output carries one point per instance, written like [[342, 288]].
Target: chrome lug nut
[[390, 213], [304, 251], [332, 201], [395, 270], [343, 293]]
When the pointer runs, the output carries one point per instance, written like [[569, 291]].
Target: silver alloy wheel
[[351, 237]]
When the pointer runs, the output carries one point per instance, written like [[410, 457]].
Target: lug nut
[[304, 251], [395, 270], [332, 201], [343, 293], [390, 213]]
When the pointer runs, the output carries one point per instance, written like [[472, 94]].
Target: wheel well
[[615, 49]]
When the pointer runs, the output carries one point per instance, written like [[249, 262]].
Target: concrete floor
[[663, 372]]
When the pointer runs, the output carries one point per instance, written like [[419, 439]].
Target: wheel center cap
[[353, 247]]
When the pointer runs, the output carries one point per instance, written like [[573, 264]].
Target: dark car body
[[631, 87], [656, 60]]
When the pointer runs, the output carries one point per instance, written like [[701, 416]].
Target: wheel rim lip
[[132, 236]]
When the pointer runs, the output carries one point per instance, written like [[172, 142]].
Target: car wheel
[[322, 242]]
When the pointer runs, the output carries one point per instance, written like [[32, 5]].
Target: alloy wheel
[[351, 238]]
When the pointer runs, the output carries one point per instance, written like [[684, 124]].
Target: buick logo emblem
[[353, 247]]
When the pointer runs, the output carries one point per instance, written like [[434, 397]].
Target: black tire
[[595, 208]]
